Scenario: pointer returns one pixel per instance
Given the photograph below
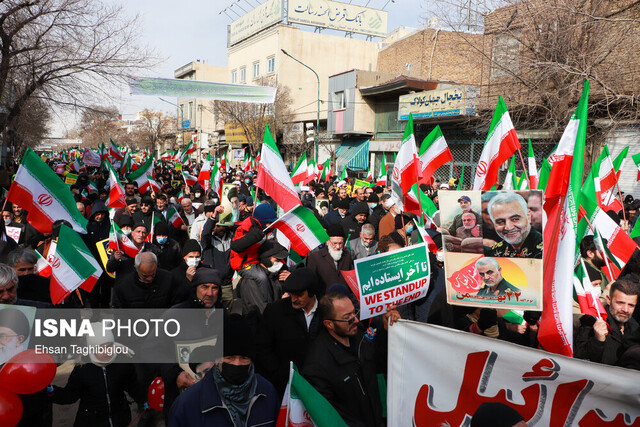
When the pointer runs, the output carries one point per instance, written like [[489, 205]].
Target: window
[[338, 101], [271, 65], [243, 75], [256, 70], [505, 55], [234, 76], [191, 116]]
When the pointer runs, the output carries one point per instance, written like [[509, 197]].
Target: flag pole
[[455, 168], [524, 167]]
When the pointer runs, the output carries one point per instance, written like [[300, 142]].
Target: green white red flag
[[140, 175], [188, 178], [116, 197], [42, 267], [585, 293], [369, 177], [115, 153], [434, 152], [602, 181], [72, 267], [204, 177], [299, 172], [273, 177], [174, 218], [311, 171], [216, 179], [382, 179], [38, 190], [153, 184], [510, 179], [118, 241], [303, 406], [406, 167], [533, 169], [344, 176], [501, 143], [418, 203], [636, 161], [562, 195], [302, 228]]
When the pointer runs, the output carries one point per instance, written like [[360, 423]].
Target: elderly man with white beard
[[328, 263], [512, 222]]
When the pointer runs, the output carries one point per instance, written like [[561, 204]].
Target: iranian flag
[[601, 183], [188, 149], [303, 230], [165, 156], [510, 180], [37, 189], [299, 173], [72, 267], [118, 241], [620, 160], [188, 178], [382, 179], [434, 152], [325, 171], [619, 245], [42, 267], [303, 406], [140, 176], [153, 184], [501, 143], [246, 163], [116, 198], [406, 166], [533, 169], [216, 179], [417, 202], [273, 177], [115, 152], [204, 177], [174, 218], [636, 161], [369, 177], [561, 231], [585, 293], [311, 171], [344, 176], [91, 158]]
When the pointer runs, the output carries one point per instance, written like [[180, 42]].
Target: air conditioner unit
[[309, 125], [310, 132]]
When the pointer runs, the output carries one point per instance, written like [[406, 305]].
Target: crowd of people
[[275, 311]]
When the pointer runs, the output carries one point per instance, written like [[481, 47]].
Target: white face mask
[[275, 267], [192, 262], [7, 221], [127, 231], [440, 256], [197, 195]]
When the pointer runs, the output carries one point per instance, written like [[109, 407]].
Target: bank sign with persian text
[[393, 278], [445, 101], [338, 16], [267, 14]]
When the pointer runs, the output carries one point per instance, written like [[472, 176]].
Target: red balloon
[[10, 409], [155, 395], [27, 372]]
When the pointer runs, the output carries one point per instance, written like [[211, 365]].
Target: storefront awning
[[354, 155]]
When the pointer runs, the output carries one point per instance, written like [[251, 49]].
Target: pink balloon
[[27, 372], [155, 395], [10, 409]]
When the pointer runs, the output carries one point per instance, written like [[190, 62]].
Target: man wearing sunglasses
[[342, 363]]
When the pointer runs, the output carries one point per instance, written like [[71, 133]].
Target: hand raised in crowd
[[117, 255], [600, 330], [392, 314], [219, 209], [185, 380], [283, 275], [191, 271], [514, 327]]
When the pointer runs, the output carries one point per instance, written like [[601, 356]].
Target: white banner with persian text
[[439, 376]]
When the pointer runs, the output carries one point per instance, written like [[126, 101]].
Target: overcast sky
[[187, 30]]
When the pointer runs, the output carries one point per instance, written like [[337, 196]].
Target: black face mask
[[235, 374]]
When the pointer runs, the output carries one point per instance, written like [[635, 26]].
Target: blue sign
[[186, 124]]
